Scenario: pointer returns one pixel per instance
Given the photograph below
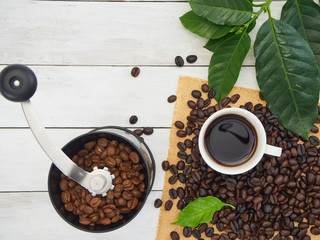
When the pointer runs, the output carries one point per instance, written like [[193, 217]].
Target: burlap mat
[[181, 111]]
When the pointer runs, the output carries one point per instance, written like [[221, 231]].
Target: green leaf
[[304, 16], [203, 27], [226, 12], [288, 76], [226, 63], [212, 44], [199, 211]]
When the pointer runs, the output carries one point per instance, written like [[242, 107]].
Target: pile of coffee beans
[[277, 199], [129, 183]]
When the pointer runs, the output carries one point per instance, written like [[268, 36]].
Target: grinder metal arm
[[18, 83]]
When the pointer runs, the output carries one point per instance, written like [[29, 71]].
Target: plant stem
[[258, 5], [264, 7]]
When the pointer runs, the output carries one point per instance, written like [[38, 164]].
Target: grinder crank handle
[[18, 83]]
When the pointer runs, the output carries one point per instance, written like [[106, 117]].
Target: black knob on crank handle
[[18, 83]]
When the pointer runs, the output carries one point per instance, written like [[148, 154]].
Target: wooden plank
[[101, 33], [99, 96], [27, 164], [129, 0], [26, 167], [31, 216]]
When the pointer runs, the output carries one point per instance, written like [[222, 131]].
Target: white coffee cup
[[261, 143]]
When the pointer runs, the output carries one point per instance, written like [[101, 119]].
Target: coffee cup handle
[[272, 150]]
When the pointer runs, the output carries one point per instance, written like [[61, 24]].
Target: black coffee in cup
[[230, 140]]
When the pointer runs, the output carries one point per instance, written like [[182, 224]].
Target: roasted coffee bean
[[279, 179], [225, 101], [132, 203], [192, 58], [172, 98], [267, 208], [133, 119], [315, 230], [205, 88], [88, 209], [187, 231], [181, 133], [191, 104], [95, 202], [209, 232], [179, 61], [63, 185], [225, 237], [235, 98], [314, 140], [180, 165], [134, 157], [180, 192], [301, 150], [182, 178], [272, 119], [200, 105], [135, 72], [179, 124], [84, 221], [139, 132], [314, 129], [231, 182], [173, 169], [165, 165], [284, 232], [182, 152], [287, 212], [188, 143], [202, 227], [248, 106], [147, 130], [180, 205], [127, 195], [258, 107], [173, 193], [173, 179], [303, 225], [294, 231], [312, 152], [174, 235], [260, 96], [311, 178], [196, 94], [302, 233], [220, 226], [217, 237], [211, 93], [234, 226], [196, 234], [65, 197], [168, 205], [69, 206]]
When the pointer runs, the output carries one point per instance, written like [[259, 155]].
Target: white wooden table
[[82, 53]]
